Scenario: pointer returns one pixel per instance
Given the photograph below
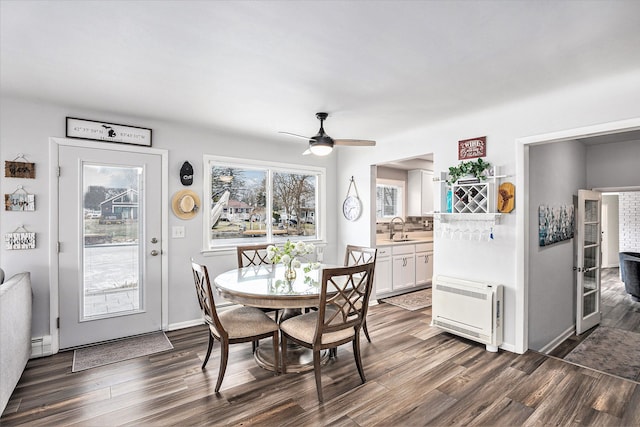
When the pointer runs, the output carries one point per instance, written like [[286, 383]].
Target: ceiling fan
[[322, 144]]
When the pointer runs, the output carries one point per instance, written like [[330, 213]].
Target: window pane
[[238, 203], [294, 204], [388, 201]]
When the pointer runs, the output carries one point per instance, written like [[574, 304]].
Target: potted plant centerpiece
[[289, 255], [472, 169]]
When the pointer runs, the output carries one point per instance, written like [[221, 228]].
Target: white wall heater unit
[[473, 310]]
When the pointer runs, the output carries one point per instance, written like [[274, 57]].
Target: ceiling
[[258, 67]]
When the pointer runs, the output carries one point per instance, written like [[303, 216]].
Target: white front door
[[110, 268], [588, 245]]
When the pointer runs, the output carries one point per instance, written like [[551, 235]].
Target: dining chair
[[255, 255], [344, 294], [243, 324], [356, 255]]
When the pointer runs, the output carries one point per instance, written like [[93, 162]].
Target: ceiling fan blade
[[355, 142], [306, 152], [308, 138]]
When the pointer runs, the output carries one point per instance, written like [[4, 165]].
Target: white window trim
[[321, 202]]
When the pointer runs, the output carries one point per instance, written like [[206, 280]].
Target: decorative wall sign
[[110, 132], [472, 148], [19, 200], [556, 224], [15, 169], [20, 239], [506, 197]]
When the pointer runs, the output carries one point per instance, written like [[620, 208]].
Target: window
[[389, 199], [255, 202]]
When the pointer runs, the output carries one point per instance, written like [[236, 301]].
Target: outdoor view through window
[[261, 204]]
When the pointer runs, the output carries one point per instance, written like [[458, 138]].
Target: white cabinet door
[[427, 192], [404, 271], [382, 275], [424, 267]]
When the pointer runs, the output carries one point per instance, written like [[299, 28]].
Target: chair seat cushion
[[246, 322], [303, 328]]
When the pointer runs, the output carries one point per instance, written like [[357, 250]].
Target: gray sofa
[[15, 332], [630, 273]]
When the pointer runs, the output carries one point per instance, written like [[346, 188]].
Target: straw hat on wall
[[185, 204]]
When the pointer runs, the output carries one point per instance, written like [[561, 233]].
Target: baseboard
[[508, 347], [558, 340], [41, 347], [182, 325]]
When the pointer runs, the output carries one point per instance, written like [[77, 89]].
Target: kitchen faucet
[[391, 227]]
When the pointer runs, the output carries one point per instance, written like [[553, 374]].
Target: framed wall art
[[108, 132], [19, 169], [19, 200], [556, 223], [21, 238], [472, 148]]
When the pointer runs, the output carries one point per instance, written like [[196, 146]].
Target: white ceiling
[[378, 67]]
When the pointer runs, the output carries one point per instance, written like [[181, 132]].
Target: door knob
[[154, 253]]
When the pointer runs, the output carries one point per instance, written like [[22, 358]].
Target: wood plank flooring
[[416, 375]]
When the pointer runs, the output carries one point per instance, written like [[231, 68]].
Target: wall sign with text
[[109, 132], [472, 148]]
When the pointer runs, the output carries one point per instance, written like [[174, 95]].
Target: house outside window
[[389, 199], [251, 202]]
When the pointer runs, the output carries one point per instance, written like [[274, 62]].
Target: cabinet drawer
[[384, 252], [403, 249], [424, 247]]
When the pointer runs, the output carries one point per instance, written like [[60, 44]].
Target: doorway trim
[[522, 212], [54, 144]]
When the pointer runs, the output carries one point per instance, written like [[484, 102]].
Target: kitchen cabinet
[[419, 192], [382, 275], [403, 267], [424, 264]]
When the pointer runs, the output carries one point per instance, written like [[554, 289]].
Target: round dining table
[[265, 286]]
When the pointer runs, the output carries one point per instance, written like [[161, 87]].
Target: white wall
[[596, 102], [629, 217], [556, 172], [25, 127], [610, 231]]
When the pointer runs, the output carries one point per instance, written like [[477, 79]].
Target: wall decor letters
[[109, 132]]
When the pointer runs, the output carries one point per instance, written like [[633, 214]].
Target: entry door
[[109, 230], [588, 243]]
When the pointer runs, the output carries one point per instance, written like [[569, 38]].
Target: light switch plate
[[177, 232]]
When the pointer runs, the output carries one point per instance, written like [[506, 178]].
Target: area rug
[[614, 351], [117, 351], [412, 301]]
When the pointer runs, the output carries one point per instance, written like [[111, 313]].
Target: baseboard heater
[[469, 309]]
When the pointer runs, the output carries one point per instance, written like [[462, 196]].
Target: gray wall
[[610, 231], [556, 173], [613, 165], [26, 126]]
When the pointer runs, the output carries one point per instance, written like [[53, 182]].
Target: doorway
[[541, 304], [111, 224]]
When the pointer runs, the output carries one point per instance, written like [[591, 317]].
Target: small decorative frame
[[19, 169], [109, 132], [21, 238], [472, 148], [19, 200]]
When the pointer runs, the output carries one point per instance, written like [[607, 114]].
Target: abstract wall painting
[[556, 223]]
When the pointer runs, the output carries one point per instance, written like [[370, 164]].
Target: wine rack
[[473, 198]]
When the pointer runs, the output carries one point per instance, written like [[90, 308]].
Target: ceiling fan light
[[321, 149]]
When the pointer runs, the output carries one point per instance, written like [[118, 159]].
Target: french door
[[110, 223], [588, 245]]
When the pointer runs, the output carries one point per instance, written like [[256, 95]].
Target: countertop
[[411, 241]]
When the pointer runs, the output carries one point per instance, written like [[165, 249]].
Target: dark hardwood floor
[[416, 376], [618, 312]]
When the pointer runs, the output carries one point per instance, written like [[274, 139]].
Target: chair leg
[[223, 362], [316, 370], [254, 345], [283, 352], [356, 355], [276, 358], [366, 331], [206, 358]]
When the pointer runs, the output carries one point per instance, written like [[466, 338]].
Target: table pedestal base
[[299, 359]]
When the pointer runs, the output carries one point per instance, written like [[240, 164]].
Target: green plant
[[475, 168]]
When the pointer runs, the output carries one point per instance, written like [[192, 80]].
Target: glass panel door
[[588, 246]]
